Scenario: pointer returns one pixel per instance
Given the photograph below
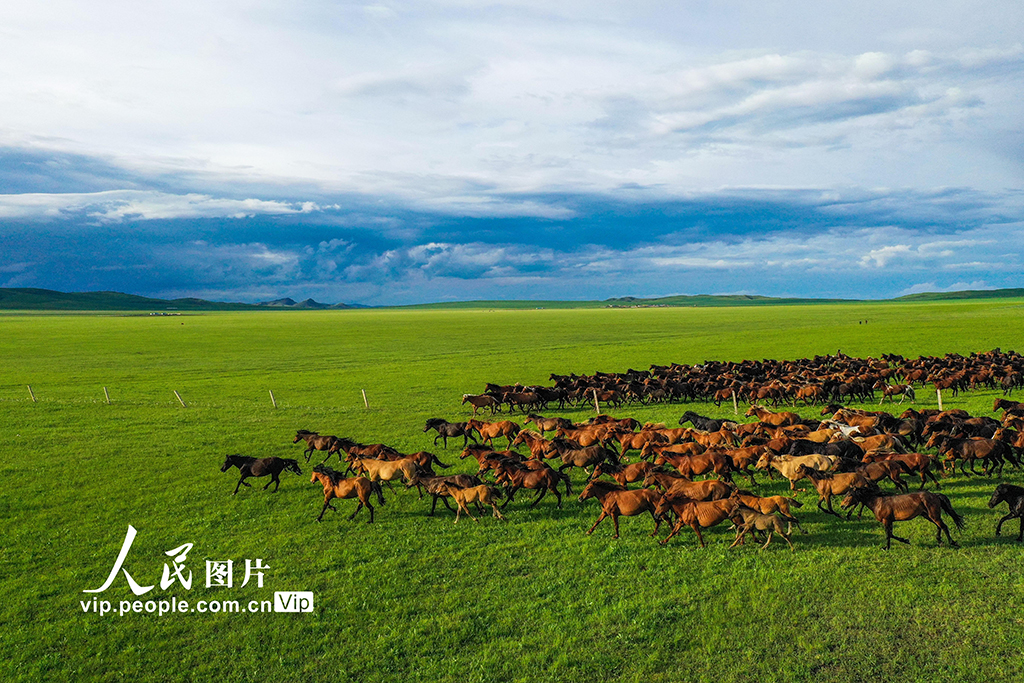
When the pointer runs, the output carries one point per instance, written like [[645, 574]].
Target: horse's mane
[[334, 476], [434, 421], [306, 432], [609, 485]]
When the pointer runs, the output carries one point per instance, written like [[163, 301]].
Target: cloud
[[122, 205]]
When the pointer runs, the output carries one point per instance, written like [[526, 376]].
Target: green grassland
[[415, 598]]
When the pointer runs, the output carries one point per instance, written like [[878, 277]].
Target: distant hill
[[26, 299], [50, 300]]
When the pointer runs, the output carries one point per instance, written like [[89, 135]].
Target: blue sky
[[396, 153]]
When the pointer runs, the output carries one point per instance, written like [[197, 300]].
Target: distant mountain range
[[50, 300]]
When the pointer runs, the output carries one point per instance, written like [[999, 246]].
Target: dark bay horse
[[1014, 497], [316, 442], [260, 467], [903, 506], [446, 430]]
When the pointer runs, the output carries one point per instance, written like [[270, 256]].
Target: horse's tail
[[795, 503], [568, 483], [292, 466], [433, 459], [947, 507], [375, 488]]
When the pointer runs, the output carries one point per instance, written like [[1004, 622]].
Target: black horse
[[260, 467], [1014, 497], [706, 424], [446, 429]]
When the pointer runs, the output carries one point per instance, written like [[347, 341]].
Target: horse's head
[[764, 461], [999, 495], [751, 411], [228, 462]]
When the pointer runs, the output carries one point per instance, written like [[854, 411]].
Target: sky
[[409, 152]]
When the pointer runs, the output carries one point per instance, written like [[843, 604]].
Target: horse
[[1014, 497], [446, 429], [882, 469], [474, 494], [481, 401], [337, 486], [695, 514], [624, 474], [903, 506], [617, 500], [386, 470], [706, 424], [971, 450], [708, 489], [750, 521], [539, 446], [694, 465], [316, 442], [546, 480], [789, 467], [904, 391], [260, 467], [488, 431], [432, 484], [828, 484], [547, 424], [769, 504], [912, 462], [781, 419]]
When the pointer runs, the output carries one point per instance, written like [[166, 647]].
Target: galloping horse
[[904, 506], [473, 494], [481, 401], [337, 486], [546, 480], [316, 442], [447, 429], [488, 431], [260, 467], [1014, 497], [695, 514], [617, 500], [781, 419], [749, 521]]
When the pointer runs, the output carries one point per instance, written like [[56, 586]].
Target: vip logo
[[293, 601]]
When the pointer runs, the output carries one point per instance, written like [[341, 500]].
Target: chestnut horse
[[316, 442], [617, 500], [337, 486], [695, 514], [474, 494], [513, 479], [488, 431]]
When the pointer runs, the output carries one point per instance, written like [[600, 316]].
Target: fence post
[[179, 399], [735, 407], [31, 394], [365, 402], [105, 393], [938, 392], [272, 397], [597, 406]]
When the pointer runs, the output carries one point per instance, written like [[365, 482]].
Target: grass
[[418, 598]]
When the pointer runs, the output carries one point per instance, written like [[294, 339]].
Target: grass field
[[418, 598]]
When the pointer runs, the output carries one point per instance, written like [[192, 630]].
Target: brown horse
[[694, 465], [904, 506], [768, 504], [695, 514], [708, 489], [538, 445], [316, 442], [433, 484], [260, 467], [385, 470], [337, 486], [750, 521], [829, 484], [488, 431], [547, 424], [617, 500], [920, 463], [474, 494], [513, 479], [624, 474], [479, 401], [780, 419]]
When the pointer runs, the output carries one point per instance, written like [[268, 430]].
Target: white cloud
[[120, 205]]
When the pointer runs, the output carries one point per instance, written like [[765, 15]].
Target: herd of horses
[[685, 475], [826, 379]]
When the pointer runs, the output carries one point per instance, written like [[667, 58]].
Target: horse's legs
[[543, 492], [770, 531], [327, 504], [554, 489], [602, 516], [675, 530], [740, 533], [696, 527], [496, 513], [358, 508], [615, 521], [240, 482]]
